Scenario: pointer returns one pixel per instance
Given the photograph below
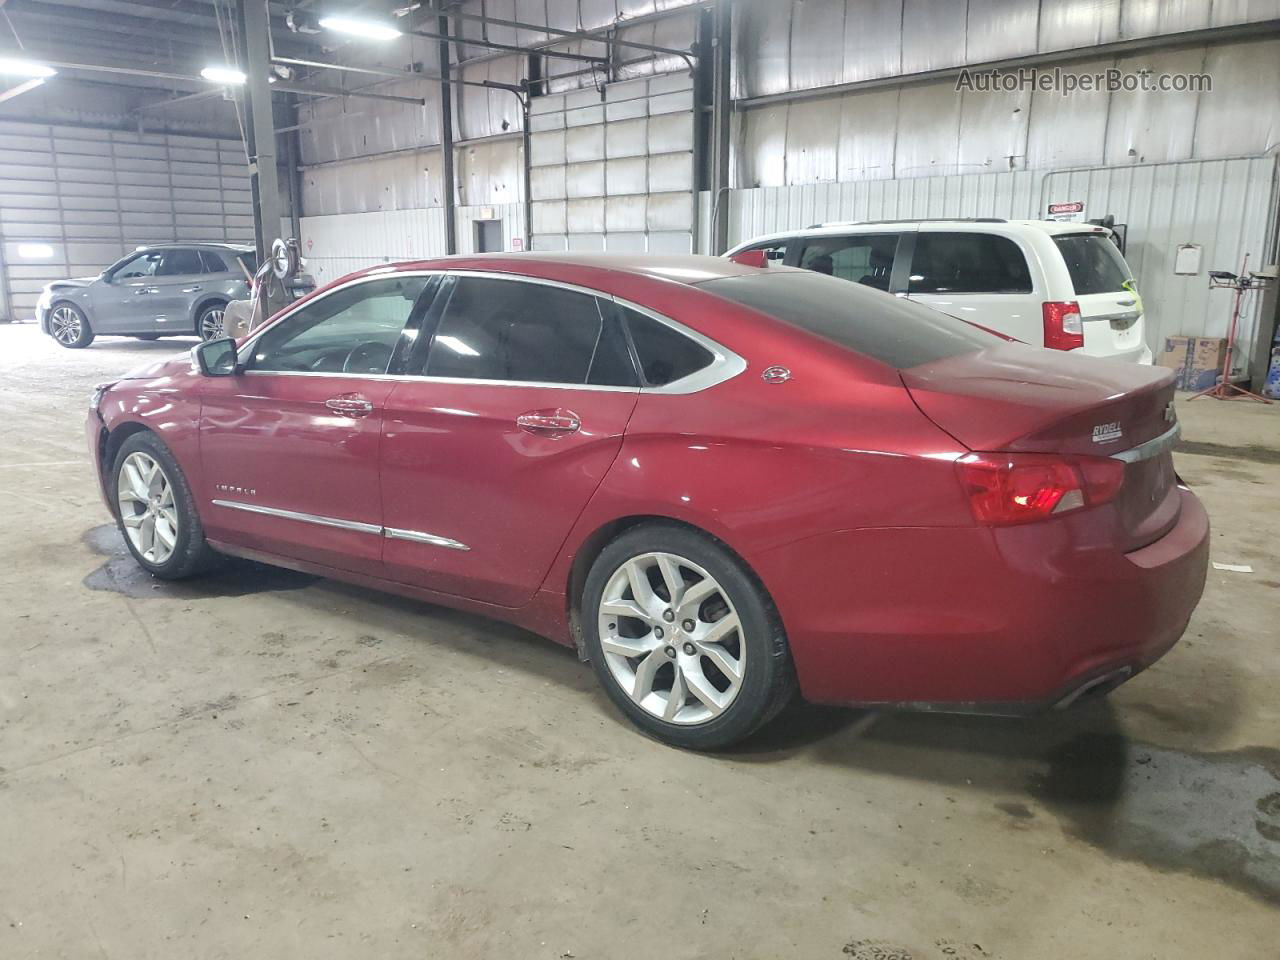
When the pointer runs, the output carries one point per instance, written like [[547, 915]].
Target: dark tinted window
[[1093, 261], [897, 332], [665, 354], [210, 262], [968, 263], [176, 263], [524, 332], [250, 262], [352, 330], [867, 259]]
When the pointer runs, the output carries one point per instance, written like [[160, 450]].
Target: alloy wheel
[[211, 323], [147, 508], [672, 639], [66, 325]]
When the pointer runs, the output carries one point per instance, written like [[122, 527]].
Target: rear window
[[896, 332], [1094, 262], [968, 263]]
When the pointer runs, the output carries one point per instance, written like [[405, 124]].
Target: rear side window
[[896, 332], [665, 355], [1094, 262], [211, 262], [250, 262], [867, 260], [525, 333], [968, 263]]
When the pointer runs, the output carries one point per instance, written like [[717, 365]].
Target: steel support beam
[[260, 136], [311, 89], [721, 122], [446, 142]]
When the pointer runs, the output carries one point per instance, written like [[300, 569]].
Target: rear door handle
[[350, 405], [555, 422], [195, 289]]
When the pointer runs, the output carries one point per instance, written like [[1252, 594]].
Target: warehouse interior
[[269, 763]]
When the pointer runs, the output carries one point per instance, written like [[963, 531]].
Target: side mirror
[[216, 358], [751, 258], [106, 277]]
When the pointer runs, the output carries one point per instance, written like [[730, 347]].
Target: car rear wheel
[[210, 323], [155, 510], [684, 638], [69, 326]]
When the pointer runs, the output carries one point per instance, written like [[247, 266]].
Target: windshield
[[1094, 262], [894, 331]]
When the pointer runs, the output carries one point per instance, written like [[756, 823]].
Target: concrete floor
[[267, 765]]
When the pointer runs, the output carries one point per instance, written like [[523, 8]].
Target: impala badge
[[234, 488], [1106, 432]]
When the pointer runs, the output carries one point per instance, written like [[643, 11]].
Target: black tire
[[205, 328], [768, 677], [191, 552], [75, 332]]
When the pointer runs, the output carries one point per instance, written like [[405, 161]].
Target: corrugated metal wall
[[89, 196], [1228, 207], [615, 173], [930, 129]]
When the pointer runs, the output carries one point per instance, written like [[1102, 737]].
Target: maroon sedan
[[718, 482]]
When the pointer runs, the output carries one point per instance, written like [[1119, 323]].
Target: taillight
[[1063, 327], [1009, 488]]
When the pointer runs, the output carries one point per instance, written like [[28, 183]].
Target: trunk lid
[[1014, 398]]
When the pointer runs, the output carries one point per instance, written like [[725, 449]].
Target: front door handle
[[555, 423], [350, 405], [141, 290]]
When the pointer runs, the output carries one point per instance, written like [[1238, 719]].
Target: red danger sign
[[1075, 206]]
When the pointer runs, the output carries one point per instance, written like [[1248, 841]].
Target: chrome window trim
[[1152, 448], [725, 364], [391, 533]]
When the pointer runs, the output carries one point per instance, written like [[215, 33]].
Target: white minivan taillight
[[1063, 327]]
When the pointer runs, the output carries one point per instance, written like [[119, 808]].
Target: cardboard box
[[1195, 361]]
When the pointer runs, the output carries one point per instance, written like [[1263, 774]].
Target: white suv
[[1061, 285]]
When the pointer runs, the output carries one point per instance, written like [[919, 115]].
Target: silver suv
[[172, 289]]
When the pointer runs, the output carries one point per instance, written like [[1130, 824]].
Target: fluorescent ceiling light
[[228, 76], [368, 29], [25, 68], [458, 346], [35, 251]]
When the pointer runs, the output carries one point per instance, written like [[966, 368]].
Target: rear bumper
[[1013, 621]]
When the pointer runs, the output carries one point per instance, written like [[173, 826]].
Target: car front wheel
[[69, 326], [684, 638], [155, 510]]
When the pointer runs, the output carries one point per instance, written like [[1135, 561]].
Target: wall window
[[968, 263], [352, 330], [866, 259]]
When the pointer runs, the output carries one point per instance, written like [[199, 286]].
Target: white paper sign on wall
[[1186, 262], [1071, 211]]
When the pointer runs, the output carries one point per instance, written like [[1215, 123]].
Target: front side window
[[968, 263], [352, 330], [867, 260], [775, 251], [522, 332], [180, 263], [143, 265], [1095, 263]]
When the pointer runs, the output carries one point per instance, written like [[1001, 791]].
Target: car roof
[[170, 244], [681, 268], [1051, 227]]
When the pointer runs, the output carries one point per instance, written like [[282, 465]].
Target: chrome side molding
[[391, 533], [1152, 448]]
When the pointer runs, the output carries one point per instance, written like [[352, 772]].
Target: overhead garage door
[[615, 174]]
